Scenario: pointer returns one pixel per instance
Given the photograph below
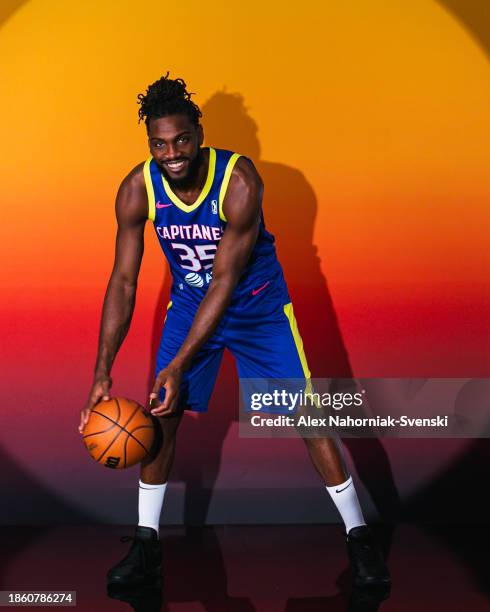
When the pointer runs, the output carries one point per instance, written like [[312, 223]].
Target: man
[[228, 292]]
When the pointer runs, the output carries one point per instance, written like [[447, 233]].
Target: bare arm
[[131, 213], [242, 207]]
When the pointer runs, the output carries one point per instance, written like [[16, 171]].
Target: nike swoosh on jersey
[[158, 205], [255, 291]]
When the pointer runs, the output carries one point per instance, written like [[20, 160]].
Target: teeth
[[175, 165]]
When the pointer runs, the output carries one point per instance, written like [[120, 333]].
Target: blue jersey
[[258, 327], [189, 236]]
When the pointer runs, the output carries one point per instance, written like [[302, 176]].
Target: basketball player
[[228, 292]]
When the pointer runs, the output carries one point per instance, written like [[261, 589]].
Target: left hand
[[169, 378]]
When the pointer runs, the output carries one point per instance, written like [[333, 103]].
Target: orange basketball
[[119, 433]]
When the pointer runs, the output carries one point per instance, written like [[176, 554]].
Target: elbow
[[123, 283], [224, 284]]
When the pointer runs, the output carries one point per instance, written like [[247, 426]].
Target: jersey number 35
[[197, 258]]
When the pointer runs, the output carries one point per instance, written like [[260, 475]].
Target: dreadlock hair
[[167, 97]]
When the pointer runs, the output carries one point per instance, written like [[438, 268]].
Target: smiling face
[[175, 144]]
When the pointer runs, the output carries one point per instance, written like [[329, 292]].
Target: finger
[[167, 407], [174, 402], [156, 388], [170, 393], [162, 407], [153, 403], [160, 411], [154, 392], [83, 422], [94, 400]]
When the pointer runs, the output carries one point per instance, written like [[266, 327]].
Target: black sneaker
[[143, 563], [367, 563]]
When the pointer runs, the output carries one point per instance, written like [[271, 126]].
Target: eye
[[158, 145], [184, 139]]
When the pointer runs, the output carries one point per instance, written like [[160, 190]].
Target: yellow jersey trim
[[169, 306], [205, 190], [288, 311], [224, 185], [149, 189]]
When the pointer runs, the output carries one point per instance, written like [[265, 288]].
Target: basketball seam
[[95, 433], [122, 428], [118, 409], [106, 417], [130, 434]]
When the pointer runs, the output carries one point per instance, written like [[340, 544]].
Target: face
[[175, 144]]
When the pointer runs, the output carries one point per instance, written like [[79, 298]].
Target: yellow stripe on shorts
[[288, 311]]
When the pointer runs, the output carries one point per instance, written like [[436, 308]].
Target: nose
[[171, 153]]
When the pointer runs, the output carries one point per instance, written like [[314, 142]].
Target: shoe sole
[[154, 580]]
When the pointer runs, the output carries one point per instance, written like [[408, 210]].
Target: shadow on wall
[[474, 16], [24, 498], [8, 8], [458, 495]]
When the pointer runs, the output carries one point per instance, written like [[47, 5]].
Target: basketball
[[119, 433]]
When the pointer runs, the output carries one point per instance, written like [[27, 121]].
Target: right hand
[[99, 391]]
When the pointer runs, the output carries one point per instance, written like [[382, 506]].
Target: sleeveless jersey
[[189, 235]]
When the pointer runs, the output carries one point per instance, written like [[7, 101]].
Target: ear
[[200, 135]]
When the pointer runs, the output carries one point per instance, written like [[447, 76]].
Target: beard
[[188, 180]]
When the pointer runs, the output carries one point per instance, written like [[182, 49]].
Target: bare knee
[[163, 449], [323, 443]]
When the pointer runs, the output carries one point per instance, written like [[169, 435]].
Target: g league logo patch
[[214, 206]]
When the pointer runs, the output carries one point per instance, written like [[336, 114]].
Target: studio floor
[[254, 568]]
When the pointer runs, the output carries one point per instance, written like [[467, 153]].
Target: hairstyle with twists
[[167, 97]]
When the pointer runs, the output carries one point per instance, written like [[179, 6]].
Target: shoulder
[[244, 177], [246, 171], [243, 199], [135, 178], [132, 199]]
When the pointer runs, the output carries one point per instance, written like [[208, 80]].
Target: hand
[[169, 378], [99, 390]]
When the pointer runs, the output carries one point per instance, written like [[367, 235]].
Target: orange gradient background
[[370, 126]]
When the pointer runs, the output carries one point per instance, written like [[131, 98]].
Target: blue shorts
[[261, 334]]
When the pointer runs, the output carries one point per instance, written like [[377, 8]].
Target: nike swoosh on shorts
[[255, 291]]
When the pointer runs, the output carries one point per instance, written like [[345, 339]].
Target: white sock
[[150, 503], [345, 498]]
